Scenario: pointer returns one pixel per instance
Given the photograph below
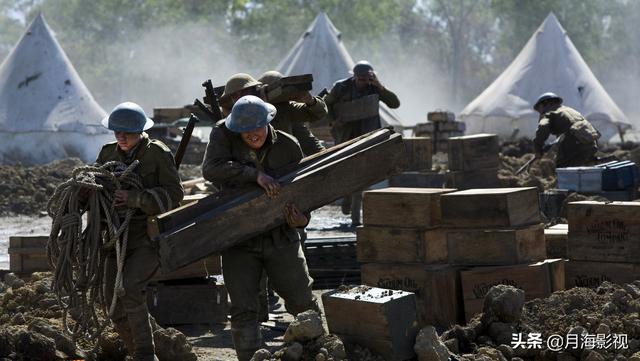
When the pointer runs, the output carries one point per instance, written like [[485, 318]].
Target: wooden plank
[[556, 241], [491, 208], [538, 280], [381, 320], [28, 254], [437, 288], [211, 265], [403, 207], [387, 244], [358, 109], [472, 152], [429, 179], [606, 232], [186, 214], [592, 274], [468, 179], [485, 247], [235, 222], [419, 153], [187, 304]]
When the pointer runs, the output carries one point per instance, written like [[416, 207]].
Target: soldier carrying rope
[[111, 260]]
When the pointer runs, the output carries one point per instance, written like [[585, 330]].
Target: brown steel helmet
[[238, 82], [270, 77]]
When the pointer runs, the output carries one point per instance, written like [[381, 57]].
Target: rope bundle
[[78, 253]]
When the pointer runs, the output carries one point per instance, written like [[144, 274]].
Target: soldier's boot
[[247, 339], [345, 205], [121, 326], [143, 347]]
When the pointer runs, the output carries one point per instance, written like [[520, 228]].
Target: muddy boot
[[121, 326], [345, 205], [247, 339], [143, 347]]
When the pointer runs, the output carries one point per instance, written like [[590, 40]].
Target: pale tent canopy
[[320, 52], [549, 62], [46, 111]]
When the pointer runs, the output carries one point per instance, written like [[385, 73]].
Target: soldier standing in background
[[354, 110]]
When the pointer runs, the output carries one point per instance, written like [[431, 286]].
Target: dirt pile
[[546, 328], [541, 174], [306, 340], [26, 190], [31, 328]]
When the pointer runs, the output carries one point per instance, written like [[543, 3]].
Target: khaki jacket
[[291, 118]]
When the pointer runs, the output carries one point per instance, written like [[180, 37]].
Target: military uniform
[[230, 163], [158, 173], [578, 148], [291, 118], [345, 90]]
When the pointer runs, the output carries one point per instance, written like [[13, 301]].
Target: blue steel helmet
[[249, 113], [547, 96], [127, 117], [362, 67]]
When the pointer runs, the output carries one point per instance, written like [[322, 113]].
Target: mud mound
[[31, 328], [190, 171], [541, 174], [608, 310], [26, 190]]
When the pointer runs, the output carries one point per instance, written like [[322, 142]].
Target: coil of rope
[[78, 252]]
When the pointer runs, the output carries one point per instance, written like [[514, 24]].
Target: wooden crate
[[419, 152], [606, 232], [429, 179], [537, 280], [381, 320], [592, 274], [358, 109], [437, 288], [556, 240], [289, 88], [441, 116], [389, 244], [403, 207], [468, 179], [211, 265], [471, 152], [488, 247], [491, 208], [28, 254], [188, 303]]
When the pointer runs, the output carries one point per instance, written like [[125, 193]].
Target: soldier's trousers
[[242, 267], [131, 316]]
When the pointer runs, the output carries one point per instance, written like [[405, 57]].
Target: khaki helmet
[[270, 77], [238, 82]]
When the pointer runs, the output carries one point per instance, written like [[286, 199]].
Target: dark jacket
[[291, 118]]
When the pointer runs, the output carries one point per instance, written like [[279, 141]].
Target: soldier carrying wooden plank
[[243, 151]]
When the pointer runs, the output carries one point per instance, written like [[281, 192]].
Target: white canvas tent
[[46, 112], [320, 52], [548, 62]]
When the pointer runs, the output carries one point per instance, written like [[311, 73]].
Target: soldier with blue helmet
[[577, 136], [159, 175], [245, 151]]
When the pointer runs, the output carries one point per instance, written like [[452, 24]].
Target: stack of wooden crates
[[603, 243], [473, 161], [418, 173], [440, 126], [450, 247]]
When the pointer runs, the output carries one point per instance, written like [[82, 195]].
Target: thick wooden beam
[[187, 213], [239, 220]]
